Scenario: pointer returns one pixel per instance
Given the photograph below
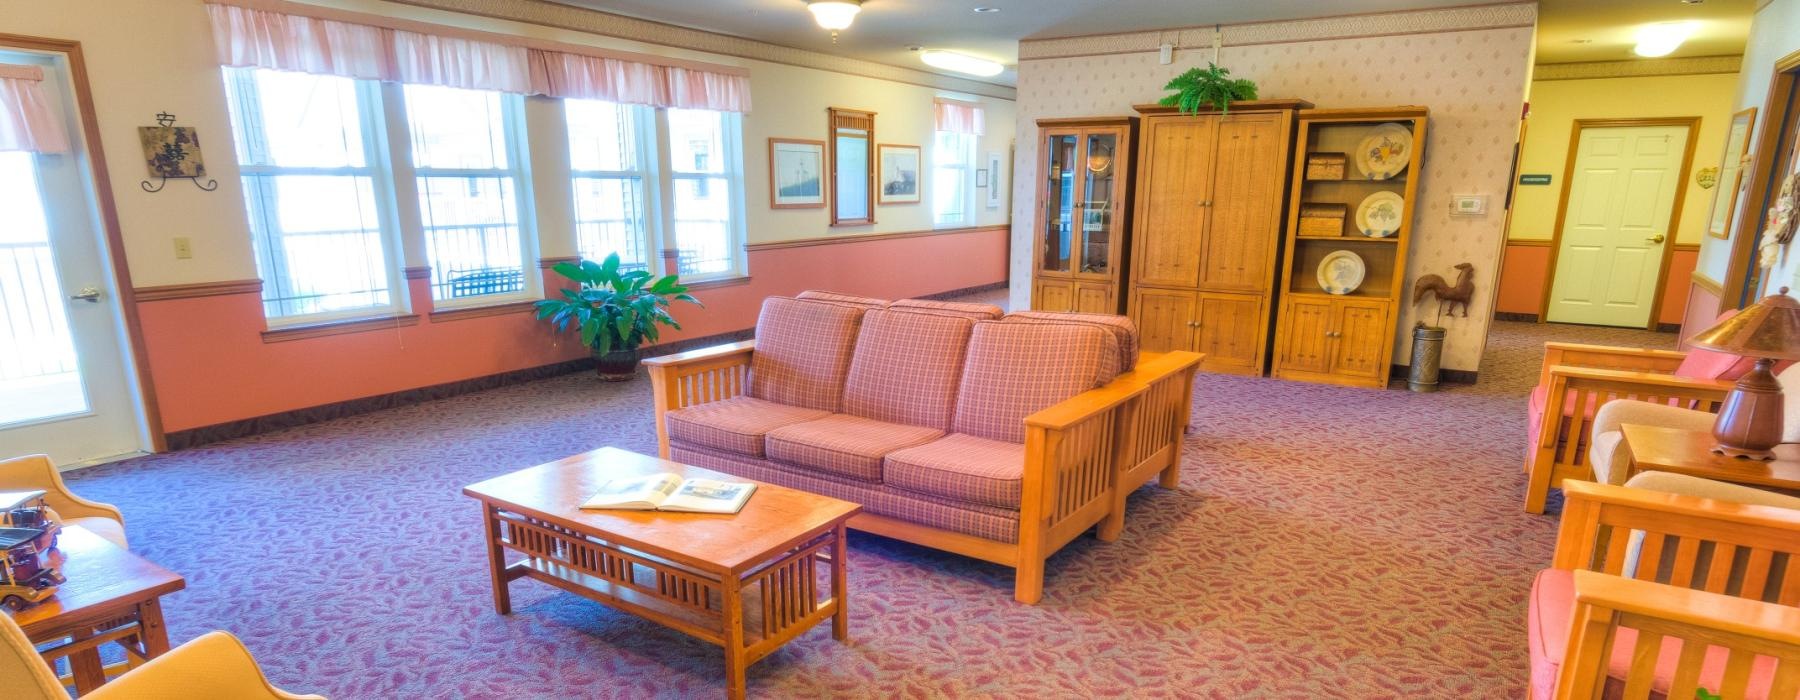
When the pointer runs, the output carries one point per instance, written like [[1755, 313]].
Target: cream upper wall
[[1556, 104], [1774, 33], [1473, 82], [148, 56]]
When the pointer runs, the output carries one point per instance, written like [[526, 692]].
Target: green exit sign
[[1528, 179]]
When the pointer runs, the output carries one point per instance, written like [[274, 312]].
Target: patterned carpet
[[1326, 542]]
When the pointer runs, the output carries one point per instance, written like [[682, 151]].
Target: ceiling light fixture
[[1662, 38], [985, 9], [835, 15], [960, 63]]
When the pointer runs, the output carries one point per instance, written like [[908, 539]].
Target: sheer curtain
[[28, 120], [958, 116]]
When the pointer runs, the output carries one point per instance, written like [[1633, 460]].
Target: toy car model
[[29, 565]]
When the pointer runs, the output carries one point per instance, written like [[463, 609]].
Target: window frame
[[243, 93], [731, 134], [646, 132], [967, 193]]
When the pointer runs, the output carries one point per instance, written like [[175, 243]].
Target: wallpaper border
[[1599, 70]]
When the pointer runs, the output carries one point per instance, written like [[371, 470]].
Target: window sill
[[339, 327], [501, 309], [717, 282]]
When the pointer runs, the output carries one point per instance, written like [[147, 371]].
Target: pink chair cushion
[[906, 368], [844, 445], [851, 299], [1016, 369], [961, 467], [1120, 326], [803, 352], [1548, 621], [735, 425], [975, 312]]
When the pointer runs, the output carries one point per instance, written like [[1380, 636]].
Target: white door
[[65, 389], [1616, 224]]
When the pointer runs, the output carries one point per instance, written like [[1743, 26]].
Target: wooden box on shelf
[[1342, 285], [1083, 214], [1325, 166]]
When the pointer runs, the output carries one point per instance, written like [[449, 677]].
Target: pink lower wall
[[209, 363], [1524, 267]]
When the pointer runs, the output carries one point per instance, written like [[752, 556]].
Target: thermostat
[[1468, 204]]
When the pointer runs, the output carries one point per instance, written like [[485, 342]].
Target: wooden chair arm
[[697, 377], [1608, 357], [1752, 618], [743, 347], [1641, 378], [1121, 389], [1597, 516]]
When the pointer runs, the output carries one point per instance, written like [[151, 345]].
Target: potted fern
[[614, 312], [1210, 86]]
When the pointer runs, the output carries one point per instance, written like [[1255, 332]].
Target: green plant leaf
[[569, 270]]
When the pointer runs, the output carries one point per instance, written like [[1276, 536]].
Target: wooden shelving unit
[[1345, 338], [1083, 214]]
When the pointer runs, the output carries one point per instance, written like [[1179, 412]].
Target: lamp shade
[[1768, 328]]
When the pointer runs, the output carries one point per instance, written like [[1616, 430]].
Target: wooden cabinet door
[[1165, 319], [1092, 298], [1362, 341], [1052, 295], [1306, 343], [1244, 203], [1174, 178], [1230, 331]]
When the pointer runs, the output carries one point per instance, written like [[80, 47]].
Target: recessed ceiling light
[[985, 8], [960, 63], [1662, 38]]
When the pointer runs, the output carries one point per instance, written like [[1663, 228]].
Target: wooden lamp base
[[1750, 422]]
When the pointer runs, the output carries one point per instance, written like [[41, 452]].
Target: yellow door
[[1616, 224], [1165, 319], [1361, 340]]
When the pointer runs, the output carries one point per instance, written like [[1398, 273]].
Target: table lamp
[[1750, 422]]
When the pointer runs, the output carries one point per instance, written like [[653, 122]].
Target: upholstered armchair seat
[[214, 666], [37, 472]]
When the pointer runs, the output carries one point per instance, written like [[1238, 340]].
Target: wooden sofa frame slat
[[1082, 456]]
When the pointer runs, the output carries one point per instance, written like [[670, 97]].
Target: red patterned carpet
[[1326, 542]]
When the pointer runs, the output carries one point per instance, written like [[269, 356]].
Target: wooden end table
[[1653, 448], [111, 596], [748, 582]]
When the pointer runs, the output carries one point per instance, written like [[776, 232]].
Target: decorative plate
[[1385, 151], [1341, 272], [1379, 214]]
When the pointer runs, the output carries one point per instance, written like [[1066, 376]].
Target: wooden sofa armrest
[[696, 377], [1599, 522], [742, 347], [1609, 357], [1570, 391]]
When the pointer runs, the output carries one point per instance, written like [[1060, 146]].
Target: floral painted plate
[[1379, 214], [1341, 272], [1385, 151]]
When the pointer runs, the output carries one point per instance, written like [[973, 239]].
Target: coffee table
[[111, 596], [1655, 448], [748, 582]]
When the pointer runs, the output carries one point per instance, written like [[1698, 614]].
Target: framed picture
[[899, 182], [172, 151], [1730, 176], [994, 186], [1093, 216], [796, 174]]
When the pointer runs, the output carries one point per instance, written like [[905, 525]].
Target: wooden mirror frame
[[860, 120]]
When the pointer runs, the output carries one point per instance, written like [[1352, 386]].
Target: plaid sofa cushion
[[1016, 369], [803, 352], [961, 467], [844, 445], [737, 424], [851, 299], [997, 524], [978, 312], [1120, 327], [906, 368], [1110, 355]]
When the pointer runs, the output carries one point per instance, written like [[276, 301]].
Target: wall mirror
[[852, 167], [1725, 192]]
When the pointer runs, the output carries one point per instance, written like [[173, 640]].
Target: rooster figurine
[[1448, 296]]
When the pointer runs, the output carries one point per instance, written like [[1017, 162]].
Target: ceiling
[[1571, 31], [886, 28]]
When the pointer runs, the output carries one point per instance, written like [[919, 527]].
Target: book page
[[709, 496], [635, 493]]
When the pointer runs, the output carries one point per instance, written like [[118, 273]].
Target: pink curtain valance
[[28, 119], [287, 36], [958, 116]]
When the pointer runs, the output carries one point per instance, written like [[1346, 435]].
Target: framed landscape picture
[[899, 183], [796, 174]]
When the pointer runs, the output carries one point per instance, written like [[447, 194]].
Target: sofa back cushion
[[1016, 369], [834, 297], [976, 312], [906, 368], [803, 352], [1120, 327]]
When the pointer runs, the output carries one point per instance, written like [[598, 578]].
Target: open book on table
[[668, 491]]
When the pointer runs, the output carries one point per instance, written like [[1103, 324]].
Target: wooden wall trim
[[1529, 242], [420, 272], [198, 289], [1706, 283], [1601, 70], [1685, 247], [352, 325], [868, 237], [547, 263]]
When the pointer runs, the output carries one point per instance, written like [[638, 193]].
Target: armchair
[[1609, 465], [33, 472], [216, 666], [1705, 599]]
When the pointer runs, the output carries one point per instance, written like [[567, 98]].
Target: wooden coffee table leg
[[154, 634], [735, 663], [86, 668], [496, 560], [840, 589]]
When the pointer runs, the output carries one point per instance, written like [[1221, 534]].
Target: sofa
[[955, 426]]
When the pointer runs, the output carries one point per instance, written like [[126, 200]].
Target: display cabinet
[[1083, 214]]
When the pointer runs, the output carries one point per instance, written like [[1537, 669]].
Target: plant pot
[[616, 366]]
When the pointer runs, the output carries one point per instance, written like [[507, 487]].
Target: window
[[953, 179], [613, 171], [310, 152], [706, 199], [466, 155]]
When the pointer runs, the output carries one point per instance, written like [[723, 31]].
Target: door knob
[[1658, 238], [88, 294]]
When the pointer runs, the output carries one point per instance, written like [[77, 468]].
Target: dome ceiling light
[[834, 15], [1662, 38], [961, 63]]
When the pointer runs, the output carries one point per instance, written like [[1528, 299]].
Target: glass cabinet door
[[1059, 202], [1100, 205]]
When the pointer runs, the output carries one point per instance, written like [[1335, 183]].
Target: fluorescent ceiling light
[[952, 61], [1662, 38], [834, 15]]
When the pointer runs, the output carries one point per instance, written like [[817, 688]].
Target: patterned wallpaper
[[1473, 81]]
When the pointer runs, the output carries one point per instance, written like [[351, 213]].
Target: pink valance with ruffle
[[959, 116], [28, 120]]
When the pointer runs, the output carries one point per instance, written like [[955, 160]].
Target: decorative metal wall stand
[[173, 153]]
